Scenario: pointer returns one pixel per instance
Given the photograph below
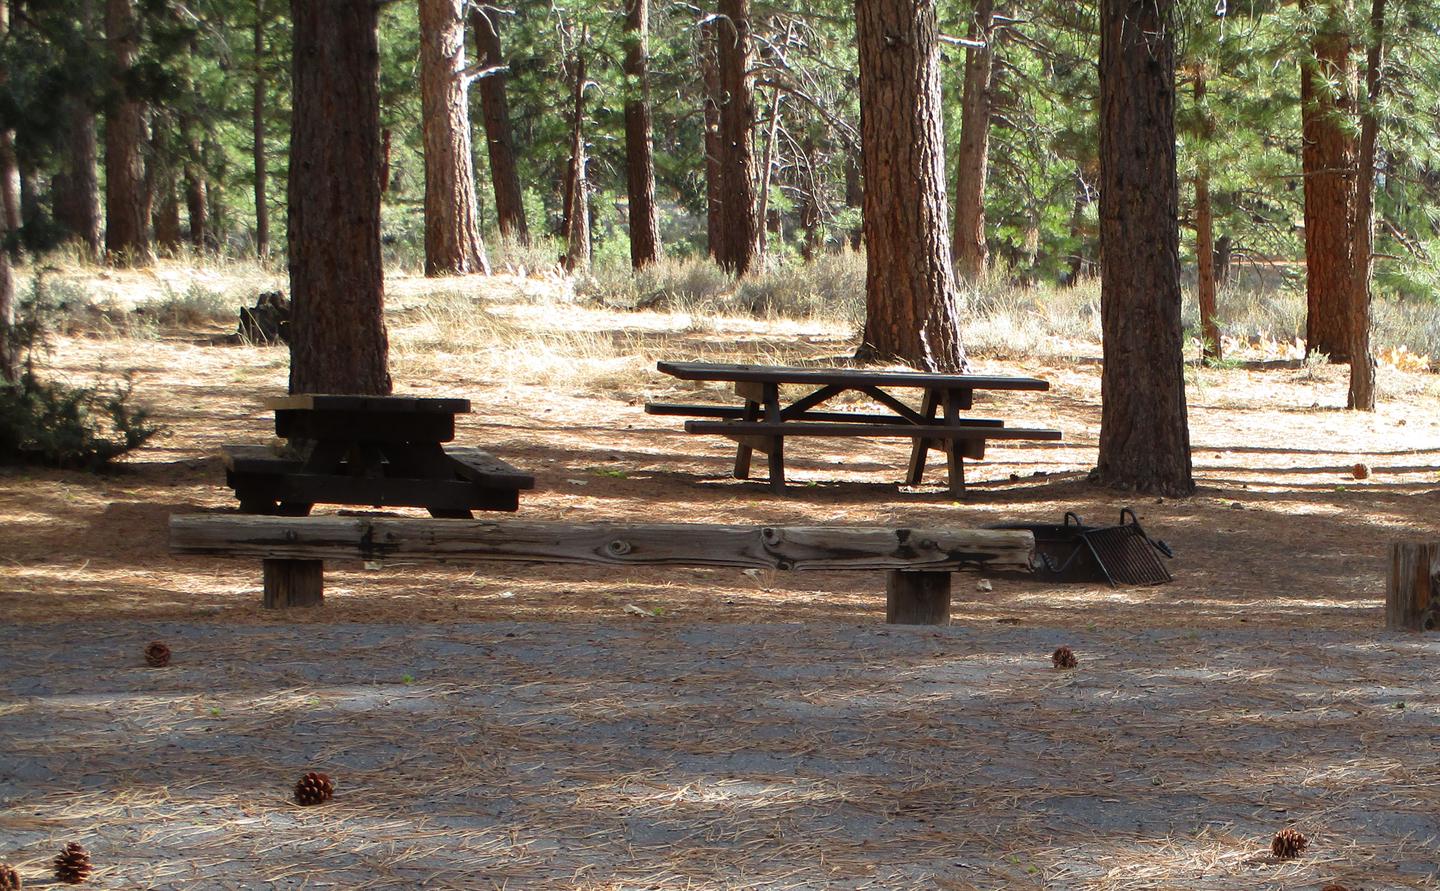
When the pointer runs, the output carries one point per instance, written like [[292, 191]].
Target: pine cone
[[1288, 844], [314, 788], [9, 878], [157, 655], [1064, 657], [72, 865]]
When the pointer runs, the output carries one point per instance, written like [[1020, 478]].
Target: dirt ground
[[520, 726]]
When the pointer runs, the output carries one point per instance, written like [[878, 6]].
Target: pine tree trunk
[[499, 138], [855, 197], [338, 342], [1361, 395], [714, 174], [970, 251], [1205, 243], [767, 171], [76, 186], [639, 160], [257, 136], [577, 199], [9, 165], [1144, 437], [910, 293], [739, 223], [127, 203], [1327, 95], [452, 230], [196, 188]]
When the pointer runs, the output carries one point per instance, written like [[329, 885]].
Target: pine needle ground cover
[[524, 727]]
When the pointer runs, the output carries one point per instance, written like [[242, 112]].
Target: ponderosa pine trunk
[[257, 137], [9, 163], [639, 148], [452, 227], [1144, 435], [9, 360], [499, 137], [1327, 95], [338, 342], [739, 222], [970, 252], [1205, 239], [576, 227], [714, 175], [910, 294], [127, 203], [76, 188], [1361, 394], [197, 189]]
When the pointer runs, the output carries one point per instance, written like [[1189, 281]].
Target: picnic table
[[382, 451], [763, 421]]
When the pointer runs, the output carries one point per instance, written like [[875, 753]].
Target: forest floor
[[524, 727]]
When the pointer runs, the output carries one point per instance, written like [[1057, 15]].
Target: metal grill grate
[[1126, 555], [1119, 555]]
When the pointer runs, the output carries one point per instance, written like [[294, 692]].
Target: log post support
[[917, 598], [293, 583], [1412, 602]]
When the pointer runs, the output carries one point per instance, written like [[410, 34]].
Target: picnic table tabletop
[[858, 377]]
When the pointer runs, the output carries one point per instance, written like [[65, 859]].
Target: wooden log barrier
[[919, 561], [1412, 597]]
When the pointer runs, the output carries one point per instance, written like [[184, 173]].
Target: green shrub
[[50, 423]]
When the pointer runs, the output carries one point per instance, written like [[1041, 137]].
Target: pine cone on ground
[[1064, 657], [9, 878], [72, 865], [157, 655], [1288, 844], [314, 788]]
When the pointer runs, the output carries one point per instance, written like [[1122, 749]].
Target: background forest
[[204, 91]]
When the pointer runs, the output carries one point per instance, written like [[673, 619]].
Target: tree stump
[[917, 598], [293, 583], [1411, 603]]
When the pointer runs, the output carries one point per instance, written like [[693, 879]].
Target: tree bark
[[767, 175], [1205, 241], [499, 137], [1362, 364], [9, 359], [452, 228], [714, 174], [127, 206], [740, 225], [910, 294], [969, 250], [1144, 437], [1327, 95], [577, 197], [76, 186], [257, 136], [196, 188], [338, 342], [9, 164], [639, 149]]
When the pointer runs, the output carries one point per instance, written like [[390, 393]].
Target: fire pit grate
[[1117, 555]]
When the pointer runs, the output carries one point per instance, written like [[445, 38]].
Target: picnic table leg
[[953, 401], [921, 447], [743, 451], [771, 395]]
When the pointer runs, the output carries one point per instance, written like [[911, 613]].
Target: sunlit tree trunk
[[499, 137], [127, 204], [1205, 239], [910, 293], [257, 136], [1327, 94], [970, 251], [577, 203], [639, 160], [452, 228], [338, 342], [714, 175], [1144, 434], [1362, 364], [740, 224]]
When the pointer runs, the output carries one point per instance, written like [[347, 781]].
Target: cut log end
[[917, 598]]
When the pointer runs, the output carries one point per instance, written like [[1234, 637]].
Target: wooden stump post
[[917, 598], [1411, 601], [293, 583]]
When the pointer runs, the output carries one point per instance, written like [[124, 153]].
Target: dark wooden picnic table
[[762, 422], [382, 451]]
